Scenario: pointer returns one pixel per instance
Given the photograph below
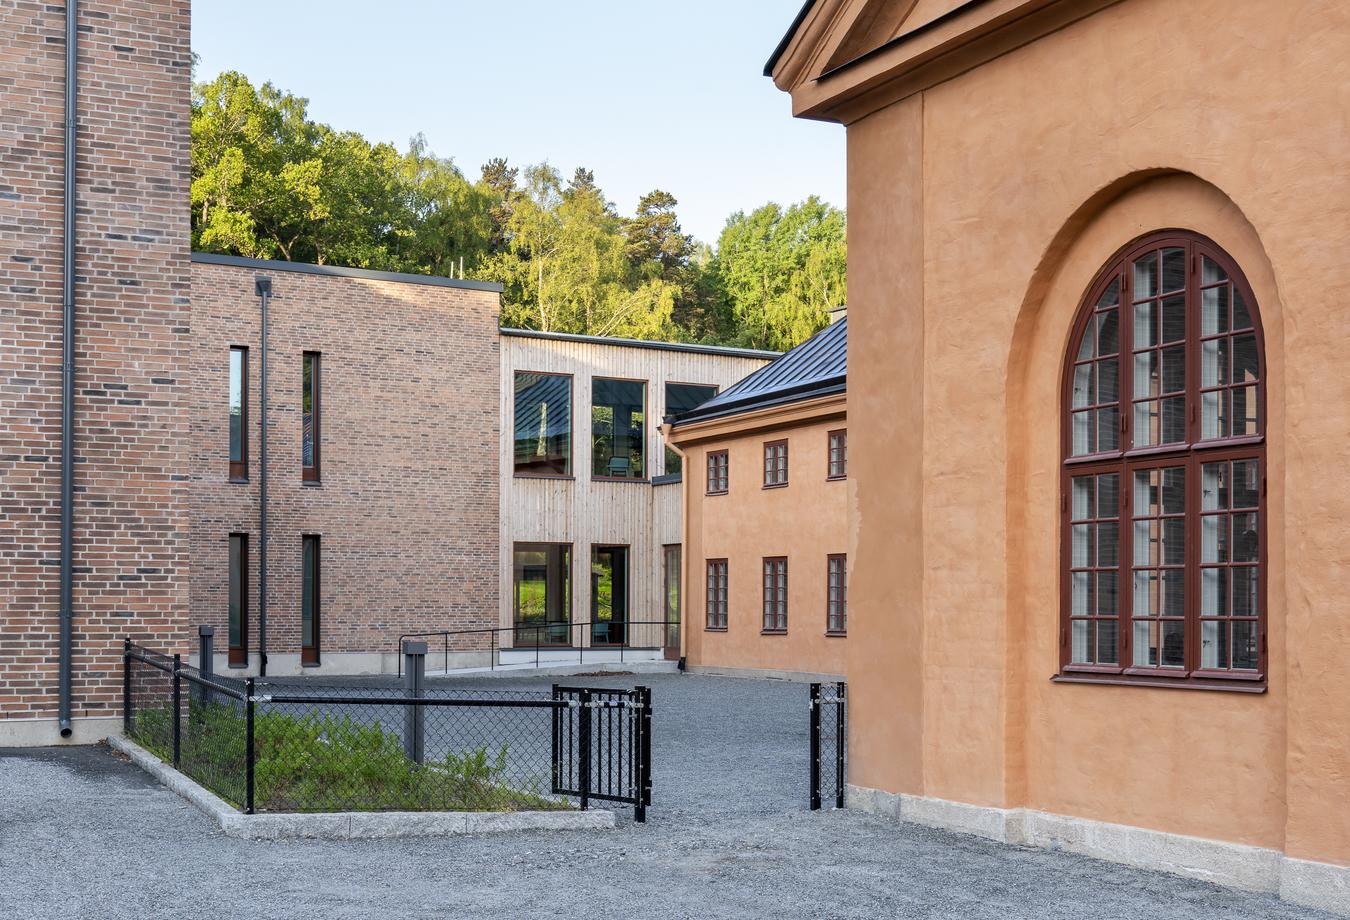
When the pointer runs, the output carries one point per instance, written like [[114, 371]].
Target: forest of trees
[[270, 182]]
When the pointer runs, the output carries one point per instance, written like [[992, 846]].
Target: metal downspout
[[68, 372], [263, 287]]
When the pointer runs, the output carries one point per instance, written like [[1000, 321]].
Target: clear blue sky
[[645, 93]]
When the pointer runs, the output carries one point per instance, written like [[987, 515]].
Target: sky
[[647, 94]]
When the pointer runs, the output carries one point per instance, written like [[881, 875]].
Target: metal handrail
[[495, 647]]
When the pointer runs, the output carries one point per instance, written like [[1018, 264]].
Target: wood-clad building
[[591, 539]]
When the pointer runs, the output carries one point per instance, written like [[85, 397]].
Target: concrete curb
[[357, 825]]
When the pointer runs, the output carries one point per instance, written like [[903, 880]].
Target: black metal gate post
[[815, 747], [248, 746], [126, 686], [840, 743], [414, 716], [177, 712], [205, 661], [584, 750], [643, 792]]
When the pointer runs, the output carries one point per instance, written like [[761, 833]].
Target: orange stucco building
[[1097, 279], [765, 517]]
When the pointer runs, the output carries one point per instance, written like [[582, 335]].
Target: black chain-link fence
[[307, 747], [829, 743]]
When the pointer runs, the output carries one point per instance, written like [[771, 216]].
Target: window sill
[[237, 481], [309, 664], [1194, 682], [720, 629], [723, 492], [775, 485], [836, 478], [311, 483], [773, 632], [835, 634], [562, 476]]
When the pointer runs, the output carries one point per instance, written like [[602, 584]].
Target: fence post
[[205, 660], [815, 747], [177, 712], [248, 746], [126, 686], [841, 744], [555, 747], [414, 718], [584, 750], [643, 793]]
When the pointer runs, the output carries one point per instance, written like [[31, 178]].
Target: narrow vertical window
[[775, 464], [717, 594], [238, 577], [672, 556], [836, 601], [309, 600], [775, 594], [239, 413], [682, 398], [838, 455], [309, 399], [718, 472], [543, 424], [618, 428]]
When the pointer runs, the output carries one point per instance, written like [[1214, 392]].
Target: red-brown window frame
[[646, 459], [309, 472], [716, 595], [780, 463], [238, 469], [775, 595], [570, 473], [1191, 454], [309, 652], [718, 465], [841, 616], [841, 435]]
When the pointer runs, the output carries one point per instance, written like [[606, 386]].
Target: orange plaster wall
[[805, 521], [1023, 176]]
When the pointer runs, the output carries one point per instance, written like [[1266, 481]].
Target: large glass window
[[1163, 505], [309, 599], [543, 424], [309, 401], [238, 413], [542, 593], [618, 428], [238, 599], [681, 398]]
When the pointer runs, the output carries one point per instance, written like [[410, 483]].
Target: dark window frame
[[774, 588], [238, 469], [646, 458], [237, 653], [1190, 454], [778, 450], [836, 595], [668, 453], [718, 466], [570, 473], [314, 359], [309, 653], [716, 595], [840, 434], [548, 632], [672, 577]]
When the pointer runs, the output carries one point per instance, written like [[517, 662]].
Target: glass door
[[609, 595]]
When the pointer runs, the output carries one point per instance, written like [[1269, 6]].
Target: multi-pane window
[[543, 424], [775, 463], [775, 594], [238, 413], [836, 595], [238, 600], [838, 455], [682, 398], [1164, 502], [618, 428], [309, 599], [309, 406], [716, 595], [719, 471]]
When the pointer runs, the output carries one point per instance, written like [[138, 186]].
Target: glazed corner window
[[309, 599], [836, 600], [309, 400], [775, 594], [682, 398], [238, 600], [719, 470], [837, 467], [618, 428], [1164, 472], [775, 463], [543, 423], [238, 413], [542, 593], [716, 596]]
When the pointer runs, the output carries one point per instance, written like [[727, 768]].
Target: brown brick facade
[[407, 505], [132, 340]]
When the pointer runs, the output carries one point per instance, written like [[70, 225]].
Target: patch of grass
[[320, 762]]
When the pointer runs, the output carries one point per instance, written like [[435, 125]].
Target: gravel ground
[[83, 834]]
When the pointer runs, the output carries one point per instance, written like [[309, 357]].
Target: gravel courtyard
[[83, 834]]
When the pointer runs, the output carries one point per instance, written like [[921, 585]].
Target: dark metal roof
[[817, 367], [787, 37], [640, 343], [341, 271]]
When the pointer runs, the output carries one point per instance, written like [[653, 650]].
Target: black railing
[[829, 742], [302, 747], [541, 638]]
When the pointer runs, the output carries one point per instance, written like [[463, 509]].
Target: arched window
[[1164, 547]]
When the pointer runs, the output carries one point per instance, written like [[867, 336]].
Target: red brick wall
[[408, 507], [133, 338]]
